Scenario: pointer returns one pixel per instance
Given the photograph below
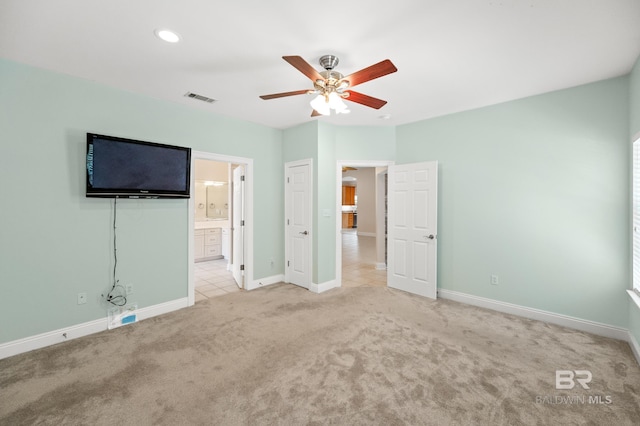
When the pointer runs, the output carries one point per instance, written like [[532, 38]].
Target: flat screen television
[[127, 168]]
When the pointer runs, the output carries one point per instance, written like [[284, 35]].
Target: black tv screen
[[127, 168]]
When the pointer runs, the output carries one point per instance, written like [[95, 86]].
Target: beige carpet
[[282, 355]]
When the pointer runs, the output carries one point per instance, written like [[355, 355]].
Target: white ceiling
[[451, 55]]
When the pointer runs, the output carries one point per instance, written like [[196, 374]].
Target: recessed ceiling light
[[167, 35], [385, 117]]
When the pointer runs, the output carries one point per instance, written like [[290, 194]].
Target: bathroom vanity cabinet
[[207, 244]]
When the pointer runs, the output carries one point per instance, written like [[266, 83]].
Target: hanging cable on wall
[[116, 295]]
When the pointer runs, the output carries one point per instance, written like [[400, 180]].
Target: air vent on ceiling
[[199, 97]]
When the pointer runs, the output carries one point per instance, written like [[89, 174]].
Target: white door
[[412, 228], [298, 224], [237, 226]]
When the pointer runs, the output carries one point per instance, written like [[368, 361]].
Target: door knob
[[430, 236], [303, 233]]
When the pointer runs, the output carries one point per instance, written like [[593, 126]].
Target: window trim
[[634, 292]]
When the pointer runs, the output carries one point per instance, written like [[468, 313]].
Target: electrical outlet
[[129, 289], [494, 280], [82, 298]]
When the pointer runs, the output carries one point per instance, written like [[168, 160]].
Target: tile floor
[[359, 261], [358, 269], [212, 279]]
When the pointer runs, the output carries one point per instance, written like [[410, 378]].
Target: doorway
[[220, 243], [360, 251]]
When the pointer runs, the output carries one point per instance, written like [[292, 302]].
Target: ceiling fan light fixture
[[330, 86], [343, 85], [324, 103], [320, 104], [337, 104]]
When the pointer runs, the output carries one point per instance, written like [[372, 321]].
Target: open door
[[412, 228], [237, 226]]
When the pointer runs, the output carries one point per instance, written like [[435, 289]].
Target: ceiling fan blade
[[315, 113], [282, 95], [304, 67], [374, 71], [366, 100]]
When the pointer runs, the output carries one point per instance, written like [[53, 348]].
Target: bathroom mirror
[[218, 201]]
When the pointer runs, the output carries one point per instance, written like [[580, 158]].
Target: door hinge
[[287, 263], [288, 181], [287, 221], [242, 178], [242, 267], [242, 222]]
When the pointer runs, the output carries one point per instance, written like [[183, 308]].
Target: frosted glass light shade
[[336, 103], [323, 104], [320, 104]]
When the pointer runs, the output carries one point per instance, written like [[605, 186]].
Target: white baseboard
[[380, 266], [366, 234], [537, 314], [319, 288], [162, 308], [274, 279], [79, 330]]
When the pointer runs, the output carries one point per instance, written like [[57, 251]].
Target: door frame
[[338, 210], [287, 246], [248, 231], [235, 266]]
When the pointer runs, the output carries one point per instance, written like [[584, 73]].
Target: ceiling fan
[[347, 168], [332, 87]]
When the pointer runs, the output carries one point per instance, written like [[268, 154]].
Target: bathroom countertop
[[206, 224]]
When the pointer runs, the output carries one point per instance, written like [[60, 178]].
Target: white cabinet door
[[225, 243], [198, 246]]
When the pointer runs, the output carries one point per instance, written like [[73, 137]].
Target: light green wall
[[366, 143], [324, 268], [57, 243], [300, 142], [535, 191], [634, 130]]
